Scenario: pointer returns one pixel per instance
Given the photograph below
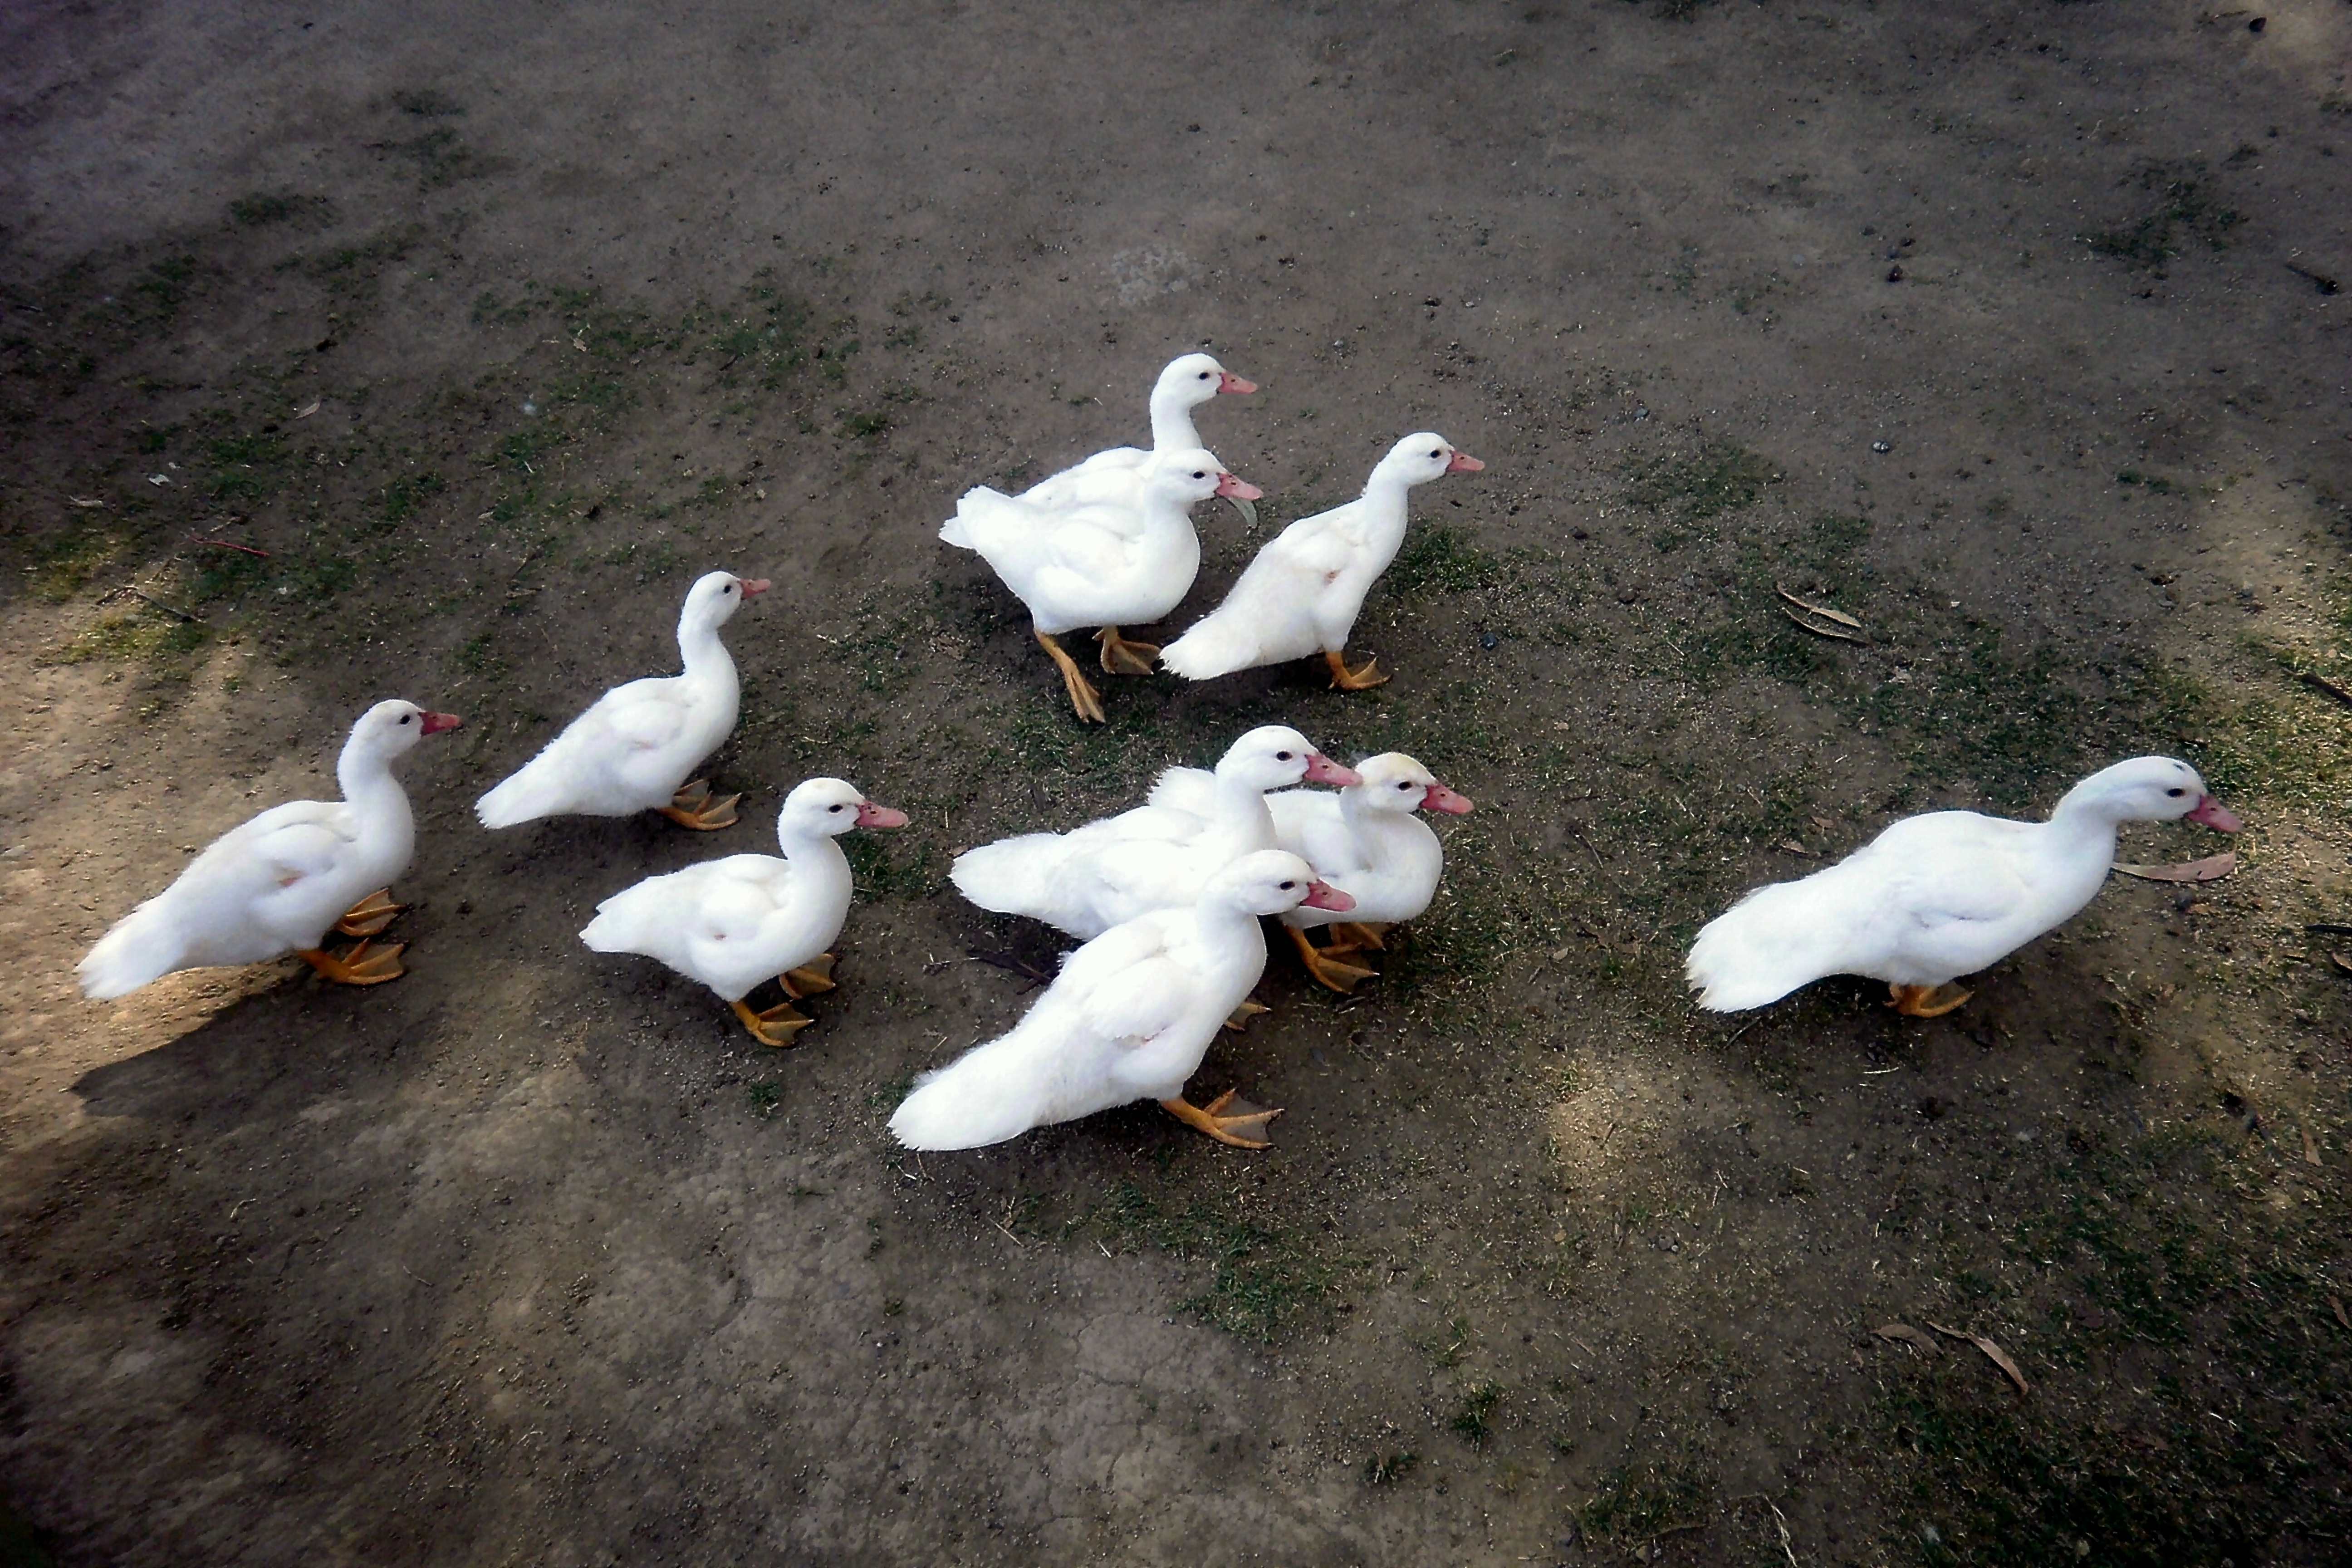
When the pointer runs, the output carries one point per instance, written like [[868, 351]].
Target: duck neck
[[1384, 510], [1243, 824], [2083, 825], [706, 656], [818, 858], [374, 797], [1172, 422]]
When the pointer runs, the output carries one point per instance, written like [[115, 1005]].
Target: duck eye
[[2176, 792], [1405, 783], [1282, 756], [405, 718], [1287, 886], [1204, 375], [833, 807], [1200, 473], [1436, 453]]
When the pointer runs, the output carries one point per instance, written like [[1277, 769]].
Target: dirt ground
[[432, 349]]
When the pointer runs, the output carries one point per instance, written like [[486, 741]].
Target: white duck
[[634, 747], [278, 883], [734, 923], [1302, 593], [1129, 1017], [1116, 476], [1155, 856], [1366, 842], [1939, 896], [1091, 563]]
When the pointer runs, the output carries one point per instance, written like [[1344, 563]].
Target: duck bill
[[1321, 769], [1324, 896], [1438, 798], [436, 722], [1464, 463], [753, 586], [872, 815], [1233, 489], [2215, 816], [1231, 383]]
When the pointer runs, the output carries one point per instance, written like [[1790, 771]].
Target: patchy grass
[[1437, 558], [2185, 210], [161, 644], [1693, 486], [263, 208], [1264, 1280]]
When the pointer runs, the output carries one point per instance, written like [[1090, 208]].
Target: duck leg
[[1121, 656], [810, 978], [695, 806], [1325, 969], [1083, 695], [1362, 678], [361, 965], [1919, 1001], [370, 915], [774, 1026], [1238, 1019], [1234, 1127], [1348, 936]]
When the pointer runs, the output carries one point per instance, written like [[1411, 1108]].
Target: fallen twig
[[2321, 683], [167, 609], [225, 545], [1006, 961]]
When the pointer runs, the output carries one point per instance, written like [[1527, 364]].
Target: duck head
[[1273, 882], [716, 596], [391, 728], [1276, 756], [2151, 789], [1417, 459], [826, 808], [1192, 379], [1394, 782], [1190, 475]]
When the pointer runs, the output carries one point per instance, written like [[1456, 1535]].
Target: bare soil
[[432, 350]]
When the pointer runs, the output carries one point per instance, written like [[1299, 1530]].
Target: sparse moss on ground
[[2185, 209], [1263, 1278]]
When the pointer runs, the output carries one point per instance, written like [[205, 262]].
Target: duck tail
[[140, 947], [1013, 876], [972, 509], [992, 1092], [1220, 643], [617, 926], [1756, 951], [534, 791]]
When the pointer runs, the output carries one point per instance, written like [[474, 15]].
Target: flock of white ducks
[[1167, 895]]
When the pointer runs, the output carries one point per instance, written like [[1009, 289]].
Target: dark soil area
[[433, 350]]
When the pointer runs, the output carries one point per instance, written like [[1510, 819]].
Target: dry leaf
[[2212, 868], [2337, 1302], [1833, 633], [2310, 1149], [1904, 1333], [1839, 617], [2341, 963], [85, 503], [1793, 848], [2000, 1356], [304, 412]]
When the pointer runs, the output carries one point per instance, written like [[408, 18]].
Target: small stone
[[1487, 640], [1882, 447]]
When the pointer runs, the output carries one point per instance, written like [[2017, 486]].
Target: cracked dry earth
[[433, 349]]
